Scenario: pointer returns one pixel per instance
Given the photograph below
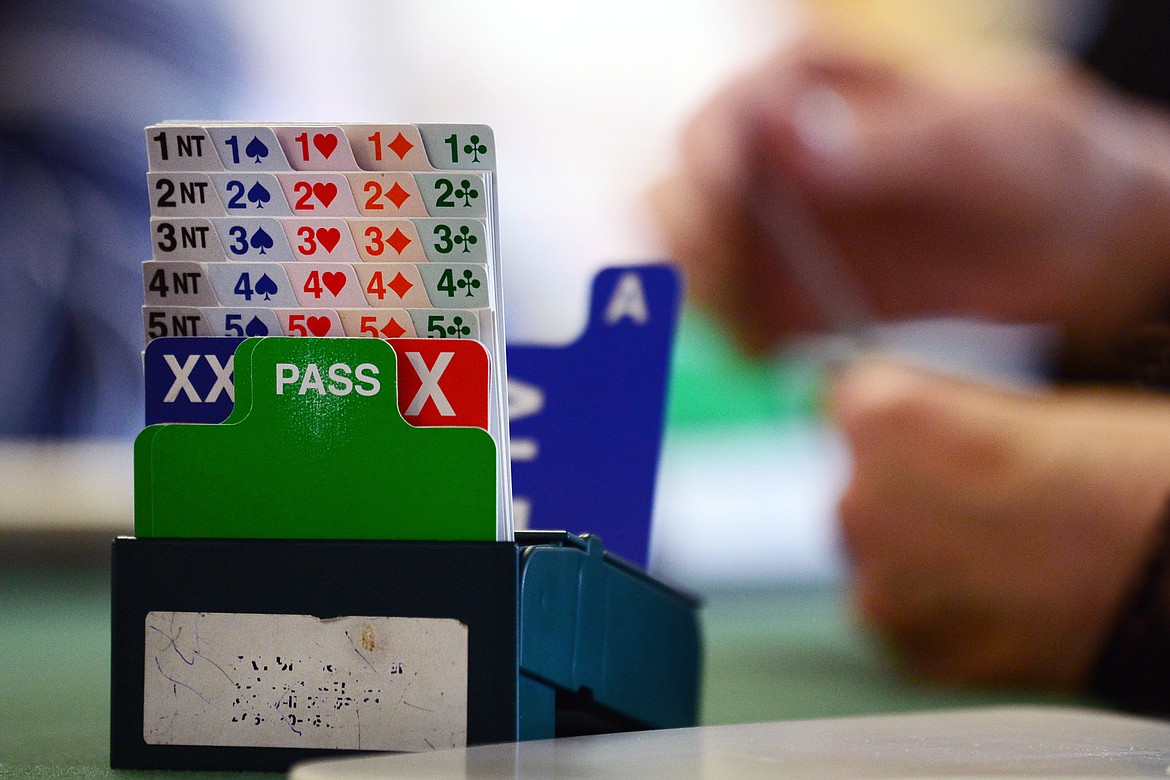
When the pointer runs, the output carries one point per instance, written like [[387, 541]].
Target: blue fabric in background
[[79, 79]]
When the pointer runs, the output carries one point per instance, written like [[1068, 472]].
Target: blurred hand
[[994, 534], [1035, 196]]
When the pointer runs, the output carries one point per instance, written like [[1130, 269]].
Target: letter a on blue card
[[586, 419]]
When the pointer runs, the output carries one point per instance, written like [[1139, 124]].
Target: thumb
[[906, 414], [877, 387]]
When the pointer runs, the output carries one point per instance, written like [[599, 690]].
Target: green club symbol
[[468, 283], [457, 329], [467, 192], [475, 148], [465, 239]]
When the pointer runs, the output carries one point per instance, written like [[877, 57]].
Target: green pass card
[[315, 448]]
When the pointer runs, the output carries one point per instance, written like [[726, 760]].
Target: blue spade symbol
[[256, 149], [258, 195], [261, 240], [256, 326], [266, 287]]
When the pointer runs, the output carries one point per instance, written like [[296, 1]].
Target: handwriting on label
[[347, 683]]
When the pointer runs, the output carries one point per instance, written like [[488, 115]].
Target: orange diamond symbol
[[400, 285], [397, 195], [398, 240], [392, 329], [400, 146]]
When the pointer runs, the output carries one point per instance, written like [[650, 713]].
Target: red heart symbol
[[328, 238], [318, 326], [325, 143], [334, 280], [325, 191]]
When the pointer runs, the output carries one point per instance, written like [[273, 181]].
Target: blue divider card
[[190, 379], [587, 418]]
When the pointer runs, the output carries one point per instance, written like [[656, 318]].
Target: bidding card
[[440, 382], [223, 321], [320, 194], [175, 146], [288, 239], [317, 448], [313, 284]]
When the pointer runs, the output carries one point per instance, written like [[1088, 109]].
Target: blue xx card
[[587, 418], [189, 379]]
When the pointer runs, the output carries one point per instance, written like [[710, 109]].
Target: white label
[[349, 683]]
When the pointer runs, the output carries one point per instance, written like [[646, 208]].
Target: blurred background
[[586, 99]]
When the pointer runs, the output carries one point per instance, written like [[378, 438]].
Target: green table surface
[[777, 653]]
